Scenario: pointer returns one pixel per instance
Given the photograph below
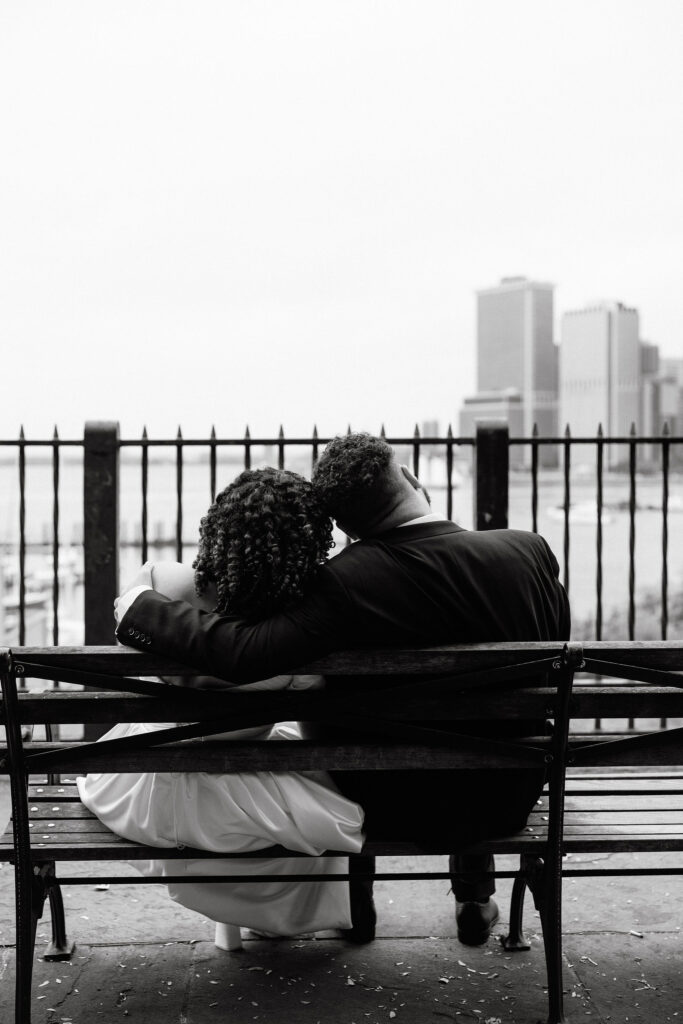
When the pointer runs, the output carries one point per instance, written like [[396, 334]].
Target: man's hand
[[141, 581]]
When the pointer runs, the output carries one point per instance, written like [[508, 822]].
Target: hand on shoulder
[[141, 581]]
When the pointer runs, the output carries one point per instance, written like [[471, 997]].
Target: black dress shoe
[[475, 921]]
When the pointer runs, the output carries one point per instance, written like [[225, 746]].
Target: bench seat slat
[[53, 812], [614, 819], [41, 791], [593, 843], [631, 829], [80, 819], [627, 787], [69, 827], [620, 801], [39, 838], [581, 820], [126, 851]]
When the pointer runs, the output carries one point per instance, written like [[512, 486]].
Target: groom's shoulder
[[369, 555], [517, 546], [512, 540]]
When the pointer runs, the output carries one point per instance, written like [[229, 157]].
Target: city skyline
[[214, 213], [594, 372]]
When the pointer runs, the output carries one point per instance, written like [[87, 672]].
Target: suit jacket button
[[130, 631], [136, 634]]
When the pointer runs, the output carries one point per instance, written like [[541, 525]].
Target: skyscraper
[[600, 369], [515, 348]]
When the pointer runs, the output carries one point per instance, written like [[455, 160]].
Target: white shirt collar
[[431, 517]]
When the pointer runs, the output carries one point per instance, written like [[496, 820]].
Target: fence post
[[100, 528], [492, 467]]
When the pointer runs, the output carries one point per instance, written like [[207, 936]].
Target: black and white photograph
[[341, 511]]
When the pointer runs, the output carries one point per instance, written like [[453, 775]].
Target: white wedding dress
[[239, 813]]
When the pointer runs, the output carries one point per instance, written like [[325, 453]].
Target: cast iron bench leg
[[31, 891], [60, 947], [544, 883], [515, 940]]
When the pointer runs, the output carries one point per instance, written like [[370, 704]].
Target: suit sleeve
[[239, 651]]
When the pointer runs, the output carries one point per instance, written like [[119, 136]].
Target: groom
[[413, 578]]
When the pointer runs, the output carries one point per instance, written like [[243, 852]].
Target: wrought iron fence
[[100, 454], [16, 546], [278, 447]]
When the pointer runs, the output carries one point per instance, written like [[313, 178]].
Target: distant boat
[[583, 513]]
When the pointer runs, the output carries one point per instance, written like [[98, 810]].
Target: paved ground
[[141, 958]]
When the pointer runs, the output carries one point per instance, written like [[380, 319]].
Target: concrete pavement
[[140, 957]]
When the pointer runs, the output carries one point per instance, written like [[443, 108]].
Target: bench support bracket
[[529, 873]]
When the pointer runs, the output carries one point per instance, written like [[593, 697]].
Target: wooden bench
[[605, 775]]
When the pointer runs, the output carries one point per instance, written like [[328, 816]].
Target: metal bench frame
[[457, 682]]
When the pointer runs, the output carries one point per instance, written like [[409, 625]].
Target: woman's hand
[[142, 579]]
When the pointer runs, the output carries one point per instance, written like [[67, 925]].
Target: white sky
[[230, 212]]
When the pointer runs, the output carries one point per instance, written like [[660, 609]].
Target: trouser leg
[[470, 876], [363, 913], [361, 864]]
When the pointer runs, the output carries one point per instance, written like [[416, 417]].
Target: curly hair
[[261, 542], [352, 478]]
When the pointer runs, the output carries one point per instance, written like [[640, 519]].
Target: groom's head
[[361, 485]]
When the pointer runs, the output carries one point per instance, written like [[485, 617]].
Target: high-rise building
[[601, 371], [516, 364], [485, 406], [650, 399], [671, 394], [515, 348]]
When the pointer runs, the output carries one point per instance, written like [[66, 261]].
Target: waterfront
[[163, 506]]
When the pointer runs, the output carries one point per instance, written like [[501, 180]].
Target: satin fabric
[[238, 813]]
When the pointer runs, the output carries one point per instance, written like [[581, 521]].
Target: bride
[[260, 545]]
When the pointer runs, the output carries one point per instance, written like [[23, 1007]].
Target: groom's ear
[[415, 483], [411, 478]]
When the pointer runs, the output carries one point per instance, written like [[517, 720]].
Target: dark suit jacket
[[427, 583]]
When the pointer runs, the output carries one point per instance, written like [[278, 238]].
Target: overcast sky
[[278, 212]]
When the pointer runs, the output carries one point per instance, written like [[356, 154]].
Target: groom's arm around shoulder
[[237, 650]]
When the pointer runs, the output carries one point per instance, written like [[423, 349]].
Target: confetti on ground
[[638, 935]]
